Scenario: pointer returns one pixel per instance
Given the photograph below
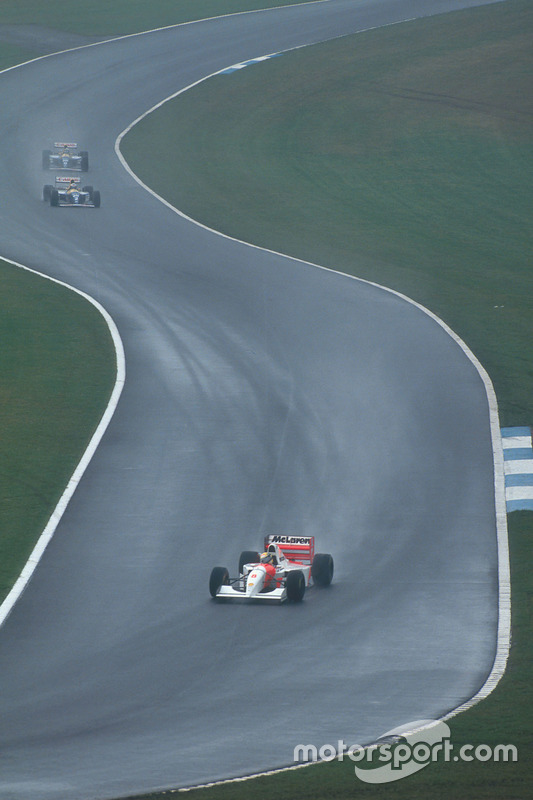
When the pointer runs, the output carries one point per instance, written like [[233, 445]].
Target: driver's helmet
[[267, 558]]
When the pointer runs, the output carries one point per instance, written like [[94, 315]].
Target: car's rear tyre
[[94, 198], [219, 577], [248, 557], [46, 159], [47, 190], [295, 586], [89, 189], [322, 569], [54, 197], [84, 160]]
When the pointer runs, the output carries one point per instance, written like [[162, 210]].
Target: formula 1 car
[[66, 158], [283, 572], [67, 192]]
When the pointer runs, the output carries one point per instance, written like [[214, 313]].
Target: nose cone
[[255, 581]]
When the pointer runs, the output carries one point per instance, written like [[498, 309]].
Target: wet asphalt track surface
[[262, 395]]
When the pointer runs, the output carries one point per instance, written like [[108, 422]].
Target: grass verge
[[14, 54], [57, 371]]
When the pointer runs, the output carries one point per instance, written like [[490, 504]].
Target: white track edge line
[[44, 539], [162, 28], [503, 637]]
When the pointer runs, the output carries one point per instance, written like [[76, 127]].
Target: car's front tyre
[[295, 586], [219, 577]]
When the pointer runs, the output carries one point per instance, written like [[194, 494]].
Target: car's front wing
[[67, 204], [74, 166], [227, 592]]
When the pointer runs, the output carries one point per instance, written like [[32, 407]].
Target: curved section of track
[[263, 394]]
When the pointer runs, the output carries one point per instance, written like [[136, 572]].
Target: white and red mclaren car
[[282, 572]]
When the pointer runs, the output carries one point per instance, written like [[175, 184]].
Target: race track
[[262, 395]]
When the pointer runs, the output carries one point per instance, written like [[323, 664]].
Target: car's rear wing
[[295, 548], [60, 179], [65, 144]]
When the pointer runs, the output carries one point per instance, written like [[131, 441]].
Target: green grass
[[403, 155], [13, 54], [57, 370], [102, 18]]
